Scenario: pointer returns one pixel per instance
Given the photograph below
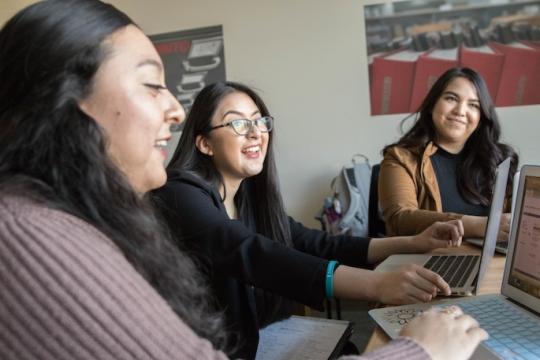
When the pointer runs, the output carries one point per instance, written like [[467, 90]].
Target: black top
[[237, 259], [445, 165]]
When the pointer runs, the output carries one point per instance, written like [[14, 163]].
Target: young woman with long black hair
[[86, 270], [223, 203]]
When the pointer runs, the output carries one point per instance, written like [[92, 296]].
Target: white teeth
[[252, 149], [161, 143]]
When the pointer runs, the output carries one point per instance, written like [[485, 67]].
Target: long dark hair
[[482, 151], [52, 151], [258, 199]]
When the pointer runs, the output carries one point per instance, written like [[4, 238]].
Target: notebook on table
[[512, 318], [463, 272], [303, 337], [501, 246]]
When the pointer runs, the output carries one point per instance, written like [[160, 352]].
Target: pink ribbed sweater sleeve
[[66, 292]]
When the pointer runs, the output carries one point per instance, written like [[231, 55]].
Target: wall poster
[[192, 59], [411, 43]]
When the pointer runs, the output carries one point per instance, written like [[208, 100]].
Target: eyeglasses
[[244, 126]]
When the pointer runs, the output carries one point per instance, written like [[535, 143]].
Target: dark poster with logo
[[193, 59]]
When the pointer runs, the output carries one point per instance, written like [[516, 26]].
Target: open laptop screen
[[524, 271]]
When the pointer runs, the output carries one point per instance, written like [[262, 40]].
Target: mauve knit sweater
[[67, 292]]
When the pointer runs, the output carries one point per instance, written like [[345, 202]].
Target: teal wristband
[[330, 278]]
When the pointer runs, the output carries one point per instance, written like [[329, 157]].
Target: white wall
[[308, 60], [9, 7]]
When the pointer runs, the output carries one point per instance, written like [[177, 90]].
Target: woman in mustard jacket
[[443, 168]]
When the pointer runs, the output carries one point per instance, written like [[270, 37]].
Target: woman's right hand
[[445, 333], [410, 284]]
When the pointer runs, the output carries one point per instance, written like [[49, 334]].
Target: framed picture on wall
[[411, 43], [192, 59]]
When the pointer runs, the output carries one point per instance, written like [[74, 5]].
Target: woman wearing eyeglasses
[[222, 203]]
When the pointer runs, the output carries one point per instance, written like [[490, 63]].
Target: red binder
[[429, 67], [485, 60], [370, 63], [520, 77], [391, 81]]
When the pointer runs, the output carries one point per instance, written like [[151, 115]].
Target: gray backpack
[[347, 210]]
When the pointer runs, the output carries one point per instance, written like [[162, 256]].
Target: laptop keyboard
[[512, 334], [455, 270]]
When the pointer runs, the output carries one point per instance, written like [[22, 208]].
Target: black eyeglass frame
[[251, 122]]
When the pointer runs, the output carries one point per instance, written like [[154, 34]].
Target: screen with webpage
[[525, 269]]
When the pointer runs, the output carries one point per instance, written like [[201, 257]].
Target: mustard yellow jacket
[[409, 194]]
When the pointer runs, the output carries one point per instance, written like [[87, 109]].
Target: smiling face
[[236, 157], [135, 110], [456, 114]]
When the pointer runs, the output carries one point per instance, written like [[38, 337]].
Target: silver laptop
[[463, 272], [512, 317], [501, 246]]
